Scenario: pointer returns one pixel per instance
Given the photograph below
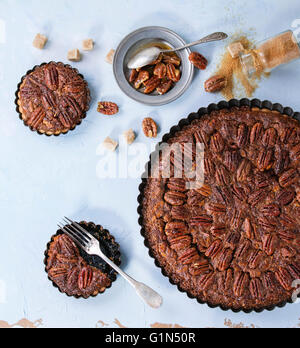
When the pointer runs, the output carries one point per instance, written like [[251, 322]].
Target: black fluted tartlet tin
[[109, 247], [17, 99], [254, 104]]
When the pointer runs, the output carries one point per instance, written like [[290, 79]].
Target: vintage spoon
[[149, 55]]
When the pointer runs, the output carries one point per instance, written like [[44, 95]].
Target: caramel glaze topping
[[235, 241]]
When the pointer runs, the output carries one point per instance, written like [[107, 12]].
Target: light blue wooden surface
[[42, 179]]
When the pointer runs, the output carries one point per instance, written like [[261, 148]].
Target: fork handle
[[148, 295]]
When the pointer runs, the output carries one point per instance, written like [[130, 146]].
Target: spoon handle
[[210, 38]]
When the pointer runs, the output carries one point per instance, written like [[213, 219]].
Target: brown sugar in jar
[[271, 53]]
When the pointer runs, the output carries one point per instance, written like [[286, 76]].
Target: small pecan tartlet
[[76, 273], [53, 98]]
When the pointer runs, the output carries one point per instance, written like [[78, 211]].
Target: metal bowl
[[135, 41]]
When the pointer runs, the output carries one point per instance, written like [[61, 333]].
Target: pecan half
[[179, 213], [256, 133], [66, 259], [294, 270], [265, 159], [201, 220], [58, 272], [189, 256], [143, 76], [218, 230], [225, 280], [235, 220], [216, 208], [282, 161], [175, 198], [201, 138], [206, 281], [222, 176], [164, 86], [36, 118], [232, 160], [241, 283], [269, 244], [217, 143], [200, 267], [287, 235], [270, 137], [67, 246], [175, 184], [243, 249], [107, 108], [72, 278], [269, 281], [242, 136], [224, 259], [49, 100], [271, 210], [257, 196], [133, 76], [171, 58], [215, 84], [151, 84], [85, 278], [160, 70], [249, 229], [268, 223], [175, 229], [289, 136], [254, 259], [244, 170], [173, 74], [287, 220], [51, 77], [284, 278], [198, 60], [224, 195], [181, 243], [209, 167], [205, 191], [150, 128], [256, 289], [289, 178], [214, 249]]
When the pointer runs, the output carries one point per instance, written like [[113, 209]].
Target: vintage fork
[[92, 247]]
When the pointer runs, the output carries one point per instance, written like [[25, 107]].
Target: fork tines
[[78, 234]]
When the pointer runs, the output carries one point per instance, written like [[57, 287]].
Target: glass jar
[[271, 53]]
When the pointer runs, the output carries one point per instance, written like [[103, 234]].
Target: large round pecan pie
[[233, 242], [75, 272], [53, 98]]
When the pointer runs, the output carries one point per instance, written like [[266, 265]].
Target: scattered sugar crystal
[[110, 56], [88, 45], [40, 41], [110, 144], [74, 55], [129, 136], [235, 49]]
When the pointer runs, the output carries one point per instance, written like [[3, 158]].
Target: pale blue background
[[43, 179]]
